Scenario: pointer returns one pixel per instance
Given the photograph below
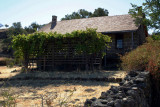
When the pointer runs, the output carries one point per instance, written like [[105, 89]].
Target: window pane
[[119, 44]]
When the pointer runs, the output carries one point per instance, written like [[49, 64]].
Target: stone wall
[[134, 91]]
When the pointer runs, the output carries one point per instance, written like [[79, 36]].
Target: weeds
[[10, 62], [49, 98], [65, 100], [9, 99]]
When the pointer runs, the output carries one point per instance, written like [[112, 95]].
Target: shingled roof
[[108, 24]]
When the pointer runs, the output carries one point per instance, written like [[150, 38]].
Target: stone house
[[125, 35]]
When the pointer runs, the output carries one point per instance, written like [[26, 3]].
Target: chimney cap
[[54, 18], [54, 21]]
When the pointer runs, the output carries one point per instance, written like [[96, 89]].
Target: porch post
[[105, 58], [132, 40]]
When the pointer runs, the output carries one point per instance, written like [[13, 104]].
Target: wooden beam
[[132, 40]]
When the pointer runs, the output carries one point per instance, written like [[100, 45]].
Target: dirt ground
[[69, 93]]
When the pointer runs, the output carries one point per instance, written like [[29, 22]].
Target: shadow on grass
[[56, 78]]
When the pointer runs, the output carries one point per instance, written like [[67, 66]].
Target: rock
[[104, 102], [98, 103], [14, 71], [125, 103], [103, 95], [117, 103], [111, 103], [120, 95], [76, 99], [133, 73], [134, 88], [114, 89], [131, 92], [127, 78], [89, 90], [88, 103], [94, 99], [144, 74], [138, 80], [134, 91]]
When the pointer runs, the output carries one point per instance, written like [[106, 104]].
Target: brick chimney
[[54, 21]]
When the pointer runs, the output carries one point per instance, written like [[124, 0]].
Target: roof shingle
[[103, 24]]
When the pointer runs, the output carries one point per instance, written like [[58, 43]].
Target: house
[[125, 35], [3, 33]]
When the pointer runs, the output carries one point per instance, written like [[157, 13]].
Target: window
[[119, 41]]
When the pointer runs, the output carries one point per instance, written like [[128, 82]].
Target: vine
[[84, 41]]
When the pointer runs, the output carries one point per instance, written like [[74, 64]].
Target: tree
[[33, 27], [82, 13], [6, 25], [147, 14], [16, 29], [100, 12]]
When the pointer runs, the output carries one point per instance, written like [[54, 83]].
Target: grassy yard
[[35, 93]]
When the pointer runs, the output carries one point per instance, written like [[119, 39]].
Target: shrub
[[10, 62], [145, 57]]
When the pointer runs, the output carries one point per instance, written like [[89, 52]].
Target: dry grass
[[31, 96], [29, 93], [7, 73]]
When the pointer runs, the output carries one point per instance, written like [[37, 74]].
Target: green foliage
[[82, 13], [100, 12], [9, 62], [6, 25], [156, 37], [145, 57], [32, 28], [16, 29], [150, 10], [33, 45]]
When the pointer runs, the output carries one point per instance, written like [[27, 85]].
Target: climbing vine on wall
[[85, 41]]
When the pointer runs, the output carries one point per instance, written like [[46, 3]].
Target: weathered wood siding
[[137, 39]]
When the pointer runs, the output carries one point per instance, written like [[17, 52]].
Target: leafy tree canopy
[[100, 12], [33, 27], [82, 13], [16, 29], [6, 25], [150, 9]]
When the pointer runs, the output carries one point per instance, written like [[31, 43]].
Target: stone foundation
[[134, 91]]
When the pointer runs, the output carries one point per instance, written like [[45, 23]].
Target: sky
[[41, 11]]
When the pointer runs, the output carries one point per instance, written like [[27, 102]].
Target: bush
[[145, 57]]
